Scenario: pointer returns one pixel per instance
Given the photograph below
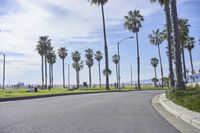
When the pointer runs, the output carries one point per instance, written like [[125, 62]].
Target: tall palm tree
[[115, 60], [99, 57], [45, 46], [51, 59], [77, 65], [154, 63], [179, 76], [189, 44], [102, 3], [156, 39], [62, 53], [184, 30], [40, 49], [166, 4], [133, 23], [89, 62]]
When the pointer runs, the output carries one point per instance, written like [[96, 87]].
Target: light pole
[[119, 77], [4, 62], [68, 75]]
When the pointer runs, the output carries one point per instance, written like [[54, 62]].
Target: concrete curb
[[54, 95], [186, 115]]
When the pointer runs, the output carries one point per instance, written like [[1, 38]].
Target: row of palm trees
[[133, 24], [47, 53]]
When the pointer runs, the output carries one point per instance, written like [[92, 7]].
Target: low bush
[[189, 98]]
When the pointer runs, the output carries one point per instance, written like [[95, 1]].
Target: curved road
[[124, 112]]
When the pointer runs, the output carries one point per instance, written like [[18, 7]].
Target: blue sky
[[77, 26]]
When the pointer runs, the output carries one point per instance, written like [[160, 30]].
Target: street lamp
[[119, 77], [68, 75], [4, 62]]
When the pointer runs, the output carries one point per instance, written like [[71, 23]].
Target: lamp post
[[119, 77], [4, 62]]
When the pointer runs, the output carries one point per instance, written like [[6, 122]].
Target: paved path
[[125, 112]]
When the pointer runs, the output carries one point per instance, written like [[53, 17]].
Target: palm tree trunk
[[45, 72], [105, 48], [63, 64], [90, 77], [49, 75], [169, 40], [138, 61], [78, 79], [161, 66], [155, 72], [117, 75], [155, 76], [99, 73], [184, 66], [179, 76], [42, 59], [191, 61], [52, 76]]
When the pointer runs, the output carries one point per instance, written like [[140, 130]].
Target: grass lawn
[[189, 98], [23, 92]]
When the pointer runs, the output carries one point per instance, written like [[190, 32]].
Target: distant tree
[[62, 53], [99, 57], [156, 39], [189, 44], [154, 80], [154, 63], [166, 81], [89, 62], [183, 30], [51, 59], [77, 65], [102, 3], [115, 60], [133, 23], [107, 72]]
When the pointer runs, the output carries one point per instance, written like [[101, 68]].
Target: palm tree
[[107, 72], [89, 62], [115, 60], [179, 76], [184, 30], [133, 24], [154, 80], [189, 44], [99, 57], [156, 39], [44, 45], [154, 63], [102, 3], [77, 65], [166, 5], [51, 59], [62, 53], [166, 81], [40, 49]]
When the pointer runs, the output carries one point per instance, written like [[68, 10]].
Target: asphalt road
[[125, 112]]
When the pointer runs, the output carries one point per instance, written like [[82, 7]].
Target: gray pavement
[[124, 112]]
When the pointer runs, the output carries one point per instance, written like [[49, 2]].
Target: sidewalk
[[188, 116]]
